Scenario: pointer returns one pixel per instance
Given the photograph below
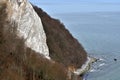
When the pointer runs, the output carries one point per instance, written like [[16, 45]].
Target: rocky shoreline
[[85, 67]]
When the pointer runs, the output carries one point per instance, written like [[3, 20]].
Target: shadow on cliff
[[62, 46]]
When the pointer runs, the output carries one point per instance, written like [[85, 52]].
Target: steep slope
[[63, 47], [29, 26], [18, 61]]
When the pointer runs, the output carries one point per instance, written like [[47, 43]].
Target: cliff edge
[[20, 14]]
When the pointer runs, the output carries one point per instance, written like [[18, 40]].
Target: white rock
[[29, 25]]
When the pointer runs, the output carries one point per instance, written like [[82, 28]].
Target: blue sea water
[[97, 28], [99, 33]]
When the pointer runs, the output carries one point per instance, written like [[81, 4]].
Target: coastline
[[85, 67]]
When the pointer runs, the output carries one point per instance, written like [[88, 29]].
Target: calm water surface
[[99, 33], [97, 28]]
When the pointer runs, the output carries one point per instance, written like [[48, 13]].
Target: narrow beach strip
[[85, 67]]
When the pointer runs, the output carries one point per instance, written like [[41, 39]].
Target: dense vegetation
[[63, 47]]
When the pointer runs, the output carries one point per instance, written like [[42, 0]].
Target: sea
[[97, 28], [99, 34]]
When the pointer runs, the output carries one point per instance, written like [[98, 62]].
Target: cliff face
[[29, 26], [63, 47]]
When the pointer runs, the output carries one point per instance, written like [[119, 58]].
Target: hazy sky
[[62, 1], [67, 6]]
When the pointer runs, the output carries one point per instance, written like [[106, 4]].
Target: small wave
[[92, 70], [101, 59], [102, 64]]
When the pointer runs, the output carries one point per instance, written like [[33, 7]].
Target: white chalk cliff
[[29, 26]]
